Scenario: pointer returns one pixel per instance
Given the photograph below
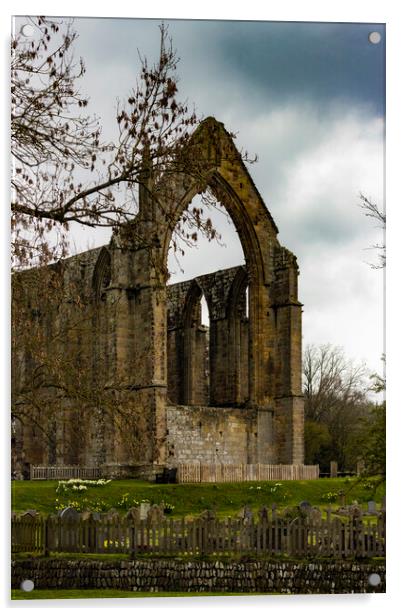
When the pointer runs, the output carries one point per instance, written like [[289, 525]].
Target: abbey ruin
[[112, 365]]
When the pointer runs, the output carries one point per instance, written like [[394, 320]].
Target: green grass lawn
[[191, 499], [112, 594]]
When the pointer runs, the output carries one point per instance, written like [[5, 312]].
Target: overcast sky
[[309, 100]]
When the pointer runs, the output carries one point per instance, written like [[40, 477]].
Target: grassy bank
[[112, 594], [192, 499]]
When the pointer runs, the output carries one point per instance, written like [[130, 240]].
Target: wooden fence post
[[333, 468], [46, 536], [269, 535]]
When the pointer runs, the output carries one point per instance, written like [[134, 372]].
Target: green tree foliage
[[317, 442], [373, 441], [372, 436]]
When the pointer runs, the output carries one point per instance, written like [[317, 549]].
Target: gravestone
[[314, 515], [90, 516], [144, 508], [263, 514], [247, 515], [133, 515], [371, 507], [29, 513], [69, 514], [155, 515], [207, 515], [355, 511], [305, 506]]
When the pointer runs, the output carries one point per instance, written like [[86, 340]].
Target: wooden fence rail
[[268, 536], [197, 472], [65, 472]]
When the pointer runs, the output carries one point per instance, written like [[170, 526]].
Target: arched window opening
[[193, 254], [204, 312], [102, 275], [195, 368], [198, 336]]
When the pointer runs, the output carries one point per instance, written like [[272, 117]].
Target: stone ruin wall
[[208, 371], [207, 418], [137, 352]]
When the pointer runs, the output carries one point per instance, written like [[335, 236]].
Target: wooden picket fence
[[198, 473], [65, 472], [272, 535]]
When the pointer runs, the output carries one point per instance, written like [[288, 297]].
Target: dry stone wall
[[331, 577]]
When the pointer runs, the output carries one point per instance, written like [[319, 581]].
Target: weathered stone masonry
[[172, 575], [230, 393]]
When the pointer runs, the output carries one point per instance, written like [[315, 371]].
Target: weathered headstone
[[29, 513], [333, 468], [155, 515], [371, 507], [355, 511], [305, 506], [112, 513], [314, 515], [247, 515], [263, 514], [208, 514], [133, 515], [90, 516], [69, 514], [144, 508]]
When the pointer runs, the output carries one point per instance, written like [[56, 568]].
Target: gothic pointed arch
[[195, 350], [225, 174], [102, 274]]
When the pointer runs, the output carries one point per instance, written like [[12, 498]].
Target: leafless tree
[[372, 210], [335, 390], [65, 174], [331, 380], [62, 171]]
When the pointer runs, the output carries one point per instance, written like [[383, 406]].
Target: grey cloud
[[306, 98]]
